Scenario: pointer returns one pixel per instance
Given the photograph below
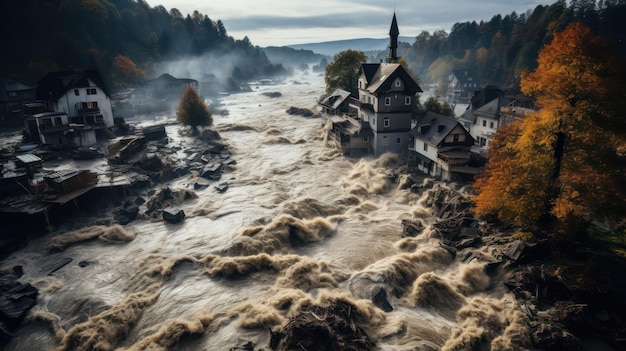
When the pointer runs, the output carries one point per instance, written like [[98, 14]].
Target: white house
[[482, 117], [54, 128], [82, 95], [441, 147]]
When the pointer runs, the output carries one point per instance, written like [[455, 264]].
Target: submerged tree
[[342, 72], [563, 160], [192, 110]]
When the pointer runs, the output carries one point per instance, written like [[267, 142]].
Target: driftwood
[[322, 328]]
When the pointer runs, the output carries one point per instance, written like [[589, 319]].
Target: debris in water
[[321, 328]]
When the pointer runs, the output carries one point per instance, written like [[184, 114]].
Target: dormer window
[[398, 83], [76, 92]]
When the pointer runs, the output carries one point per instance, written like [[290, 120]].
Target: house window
[[398, 82], [407, 100], [386, 122], [91, 91], [385, 140], [484, 122], [425, 147], [99, 119], [483, 142], [46, 122], [58, 121], [387, 101], [398, 140], [491, 125], [366, 139], [456, 138], [89, 105]]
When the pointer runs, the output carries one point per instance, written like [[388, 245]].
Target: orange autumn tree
[[562, 160]]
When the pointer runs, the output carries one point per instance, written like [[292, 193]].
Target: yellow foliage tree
[[563, 160], [192, 110]]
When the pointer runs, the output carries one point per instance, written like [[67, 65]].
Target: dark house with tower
[[380, 119]]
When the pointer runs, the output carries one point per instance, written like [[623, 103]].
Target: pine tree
[[192, 110]]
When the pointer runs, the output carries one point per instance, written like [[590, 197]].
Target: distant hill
[[330, 48], [291, 57]]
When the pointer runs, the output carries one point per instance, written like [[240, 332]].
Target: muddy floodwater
[[299, 225]]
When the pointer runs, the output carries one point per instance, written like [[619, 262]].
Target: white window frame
[[388, 101], [407, 100], [425, 147], [386, 122], [398, 83]]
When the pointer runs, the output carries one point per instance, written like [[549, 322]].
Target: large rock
[[173, 215]]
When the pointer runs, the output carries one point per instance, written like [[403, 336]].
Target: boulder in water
[[173, 215]]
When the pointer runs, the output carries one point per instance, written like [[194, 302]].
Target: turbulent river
[[300, 225]]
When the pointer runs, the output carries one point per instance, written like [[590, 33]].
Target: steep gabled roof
[[434, 128], [369, 70], [385, 75], [492, 108], [482, 97], [55, 84], [336, 98]]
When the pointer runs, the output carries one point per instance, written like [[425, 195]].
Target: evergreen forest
[[126, 40], [497, 51]]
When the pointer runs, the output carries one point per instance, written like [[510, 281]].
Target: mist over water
[[299, 226]]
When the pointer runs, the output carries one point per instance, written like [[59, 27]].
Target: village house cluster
[[380, 119], [63, 117], [74, 108]]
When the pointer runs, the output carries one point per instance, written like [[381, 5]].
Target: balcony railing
[[89, 111]]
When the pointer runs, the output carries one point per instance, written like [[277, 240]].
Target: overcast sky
[[284, 22]]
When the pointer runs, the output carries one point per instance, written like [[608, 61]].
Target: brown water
[[300, 224]]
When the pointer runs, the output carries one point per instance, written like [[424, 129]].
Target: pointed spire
[[393, 31], [392, 55]]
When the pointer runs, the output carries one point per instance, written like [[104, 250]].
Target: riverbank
[[301, 234]]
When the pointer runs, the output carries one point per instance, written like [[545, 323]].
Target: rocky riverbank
[[148, 166], [571, 292], [568, 289]]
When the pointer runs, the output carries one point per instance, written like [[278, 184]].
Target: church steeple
[[392, 55]]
